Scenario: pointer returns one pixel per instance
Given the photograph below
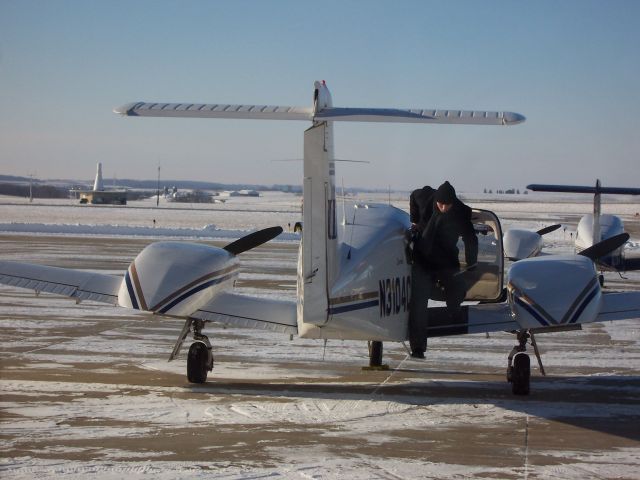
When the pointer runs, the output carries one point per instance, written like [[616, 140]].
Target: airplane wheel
[[520, 374], [197, 363]]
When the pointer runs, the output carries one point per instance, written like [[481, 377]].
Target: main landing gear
[[375, 357], [200, 356], [519, 365]]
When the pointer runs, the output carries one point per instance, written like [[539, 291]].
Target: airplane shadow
[[609, 405]]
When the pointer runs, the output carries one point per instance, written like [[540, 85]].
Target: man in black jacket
[[440, 219]]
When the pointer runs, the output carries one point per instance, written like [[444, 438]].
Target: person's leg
[[454, 290], [418, 321]]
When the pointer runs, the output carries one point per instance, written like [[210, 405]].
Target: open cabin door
[[485, 283]]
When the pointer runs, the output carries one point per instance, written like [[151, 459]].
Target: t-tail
[[319, 265]]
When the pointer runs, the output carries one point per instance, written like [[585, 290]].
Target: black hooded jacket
[[437, 248]]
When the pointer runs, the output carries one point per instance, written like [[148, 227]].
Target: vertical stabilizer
[[320, 224], [97, 185], [596, 214]]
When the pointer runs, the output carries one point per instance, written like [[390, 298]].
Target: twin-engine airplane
[[353, 279], [592, 228]]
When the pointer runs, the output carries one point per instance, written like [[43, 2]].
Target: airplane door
[[485, 283]]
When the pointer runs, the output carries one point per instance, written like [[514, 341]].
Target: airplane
[[353, 276], [597, 226]]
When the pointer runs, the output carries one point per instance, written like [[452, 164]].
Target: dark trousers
[[438, 285]]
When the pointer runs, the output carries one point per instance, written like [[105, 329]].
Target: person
[[438, 219]]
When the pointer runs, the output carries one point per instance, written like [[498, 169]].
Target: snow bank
[[208, 231]]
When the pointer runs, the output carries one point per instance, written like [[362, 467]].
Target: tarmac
[[86, 390]]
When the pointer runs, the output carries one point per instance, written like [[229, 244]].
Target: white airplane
[[592, 228], [353, 279]]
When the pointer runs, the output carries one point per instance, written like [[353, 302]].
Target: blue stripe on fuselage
[[132, 294], [193, 291]]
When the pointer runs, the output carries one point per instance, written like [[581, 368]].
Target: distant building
[[100, 196], [244, 193], [195, 196]]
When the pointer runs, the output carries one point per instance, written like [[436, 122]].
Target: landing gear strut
[[375, 357], [200, 356], [519, 364]]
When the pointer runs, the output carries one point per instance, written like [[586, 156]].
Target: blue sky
[[571, 67]]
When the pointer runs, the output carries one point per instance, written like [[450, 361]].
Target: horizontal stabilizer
[[77, 284], [469, 117], [214, 110], [538, 187], [266, 112], [250, 312]]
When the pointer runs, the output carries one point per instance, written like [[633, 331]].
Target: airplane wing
[[482, 318], [77, 284], [497, 316], [627, 264], [252, 312], [619, 306]]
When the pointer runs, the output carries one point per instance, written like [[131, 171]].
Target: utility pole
[[31, 188], [158, 189]]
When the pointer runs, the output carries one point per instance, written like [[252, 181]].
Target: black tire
[[521, 374], [197, 360]]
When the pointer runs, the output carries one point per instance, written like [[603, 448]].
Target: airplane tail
[[319, 264], [319, 233]]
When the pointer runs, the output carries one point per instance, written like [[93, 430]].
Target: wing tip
[[512, 118], [127, 110]]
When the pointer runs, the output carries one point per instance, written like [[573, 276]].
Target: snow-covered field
[[87, 392]]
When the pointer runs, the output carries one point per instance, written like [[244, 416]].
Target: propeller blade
[[604, 247], [549, 229], [253, 240]]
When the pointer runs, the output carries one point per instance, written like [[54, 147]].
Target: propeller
[[549, 229], [604, 247], [253, 240]]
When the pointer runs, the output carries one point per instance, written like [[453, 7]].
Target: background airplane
[[354, 279], [596, 226]]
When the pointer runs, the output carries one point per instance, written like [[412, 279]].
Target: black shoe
[[417, 354]]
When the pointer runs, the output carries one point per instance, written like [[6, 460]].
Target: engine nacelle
[[552, 291], [175, 278], [520, 244]]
